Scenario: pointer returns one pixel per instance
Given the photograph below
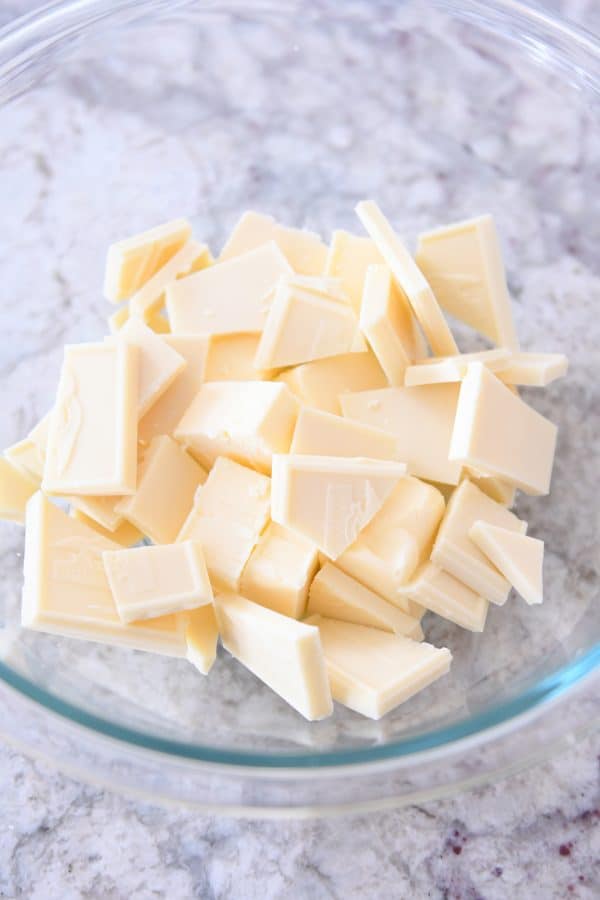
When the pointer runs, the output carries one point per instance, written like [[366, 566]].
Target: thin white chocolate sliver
[[443, 369], [321, 383], [202, 635], [285, 654], [448, 597], [348, 259], [320, 433], [231, 358], [304, 250], [533, 369], [518, 557], [16, 487], [158, 363], [150, 298]]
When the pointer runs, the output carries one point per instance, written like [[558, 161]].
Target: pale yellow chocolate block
[[348, 259], [165, 413], [463, 263], [130, 263], [229, 297], [388, 323], [229, 514], [502, 491], [328, 499], [150, 298], [202, 635], [285, 654], [167, 481], [304, 250], [454, 550], [498, 433], [519, 558], [246, 420], [16, 487], [124, 534], [66, 591], [92, 440], [279, 571], [533, 369], [420, 418], [372, 671], [147, 582], [448, 597], [320, 433], [158, 363], [442, 369], [409, 279], [322, 382], [231, 358], [339, 596]]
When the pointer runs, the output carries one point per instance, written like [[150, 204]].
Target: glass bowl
[[119, 115]]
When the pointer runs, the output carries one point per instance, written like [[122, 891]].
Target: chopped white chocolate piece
[[92, 440], [409, 279], [167, 481], [246, 420], [320, 433], [339, 596], [445, 595], [130, 263], [498, 433], [124, 534], [372, 671], [348, 259], [533, 369], [228, 297], [202, 635], [332, 288], [66, 590], [388, 323], [304, 250], [444, 369], [454, 550], [231, 358], [518, 557], [285, 654], [322, 382], [463, 264], [420, 418], [279, 571], [148, 582], [100, 509], [502, 491], [150, 298], [16, 487], [158, 363], [327, 499], [29, 455]]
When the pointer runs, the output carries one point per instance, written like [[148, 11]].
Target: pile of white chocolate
[[309, 481]]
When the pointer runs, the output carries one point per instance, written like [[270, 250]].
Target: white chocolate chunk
[[304, 250], [228, 297], [320, 433], [147, 582], [285, 654], [202, 635], [167, 481], [348, 259], [445, 595], [279, 571], [339, 596], [124, 534], [327, 499], [66, 590], [409, 279], [92, 440], [231, 358], [445, 369], [388, 323], [518, 557], [158, 363], [322, 382], [16, 487], [420, 418], [502, 491], [372, 671], [100, 509], [533, 369], [332, 288], [29, 455], [130, 263], [498, 433], [246, 420], [463, 263], [150, 298], [454, 550]]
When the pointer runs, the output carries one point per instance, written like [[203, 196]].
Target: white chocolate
[[323, 286], [348, 259], [304, 250], [159, 364], [201, 636], [518, 557], [101, 510], [321, 383], [502, 491], [125, 534], [16, 487], [320, 433], [150, 298], [533, 369], [443, 369], [445, 595], [231, 358]]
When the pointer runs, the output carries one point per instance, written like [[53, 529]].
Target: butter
[[150, 298], [448, 597], [497, 432], [445, 369], [533, 369], [348, 259], [304, 250], [328, 499], [372, 671], [246, 420], [16, 487], [124, 534], [148, 582], [409, 279], [201, 637], [231, 358], [92, 439], [518, 557], [285, 654], [159, 364], [322, 382], [320, 433]]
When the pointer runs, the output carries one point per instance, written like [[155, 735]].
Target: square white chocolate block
[[229, 514], [372, 671], [304, 250], [443, 369], [388, 323], [397, 539], [125, 534], [348, 259], [320, 433], [66, 590], [131, 262], [229, 297], [246, 420], [339, 596], [533, 369], [518, 557], [16, 487], [202, 635], [409, 279], [279, 571], [150, 298], [231, 358], [92, 440], [498, 433], [167, 481], [328, 499], [463, 264], [446, 596], [420, 418], [159, 364], [165, 413], [322, 382], [454, 550], [147, 582], [285, 654]]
